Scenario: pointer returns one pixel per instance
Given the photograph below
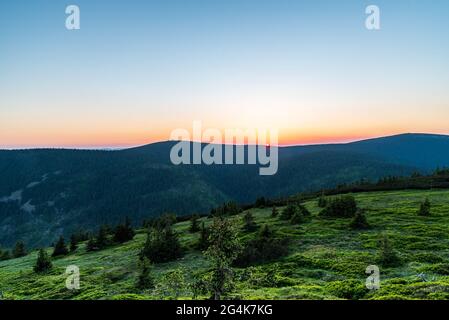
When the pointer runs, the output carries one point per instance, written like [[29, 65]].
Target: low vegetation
[[254, 254]]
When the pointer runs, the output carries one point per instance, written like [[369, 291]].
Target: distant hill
[[48, 192]]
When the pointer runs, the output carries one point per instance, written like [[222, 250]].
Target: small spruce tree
[[194, 224], [274, 212], [124, 232], [60, 248], [19, 250], [386, 255], [359, 221], [223, 250], [249, 224], [322, 201], [102, 238], [73, 243], [145, 279], [424, 208], [43, 262], [203, 241]]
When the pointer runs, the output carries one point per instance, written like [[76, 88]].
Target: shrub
[[145, 279], [91, 244], [359, 221], [260, 202], [341, 207], [43, 262], [194, 226], [102, 237], [322, 202], [386, 255], [223, 250], [124, 232], [289, 211], [19, 250], [249, 224], [424, 208], [60, 248], [264, 248], [348, 289], [4, 255], [297, 218], [203, 241], [162, 245], [274, 212], [73, 243]]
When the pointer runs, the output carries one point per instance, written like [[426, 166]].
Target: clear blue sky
[[138, 69]]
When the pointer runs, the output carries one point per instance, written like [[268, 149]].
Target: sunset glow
[[133, 73]]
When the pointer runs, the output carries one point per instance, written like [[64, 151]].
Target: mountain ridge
[[48, 192]]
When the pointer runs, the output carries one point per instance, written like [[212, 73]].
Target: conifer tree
[[274, 212], [73, 243], [60, 248], [194, 226], [249, 224], [43, 262], [424, 208], [359, 221], [19, 250], [223, 250], [145, 279], [203, 242]]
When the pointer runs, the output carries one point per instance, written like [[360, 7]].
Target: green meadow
[[326, 259]]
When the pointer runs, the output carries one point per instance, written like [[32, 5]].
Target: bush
[[124, 232], [274, 212], [386, 255], [73, 243], [264, 248], [341, 207], [424, 208], [43, 262], [322, 202], [203, 241], [60, 248], [249, 225], [162, 245], [194, 226], [19, 250], [289, 211], [348, 289], [297, 218], [359, 221], [4, 255], [145, 279]]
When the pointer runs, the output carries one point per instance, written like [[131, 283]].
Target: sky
[[136, 70]]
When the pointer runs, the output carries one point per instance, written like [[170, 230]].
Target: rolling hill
[[48, 192]]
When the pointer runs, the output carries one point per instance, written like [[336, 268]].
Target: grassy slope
[[324, 256]]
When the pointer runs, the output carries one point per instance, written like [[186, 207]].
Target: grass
[[327, 260]]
